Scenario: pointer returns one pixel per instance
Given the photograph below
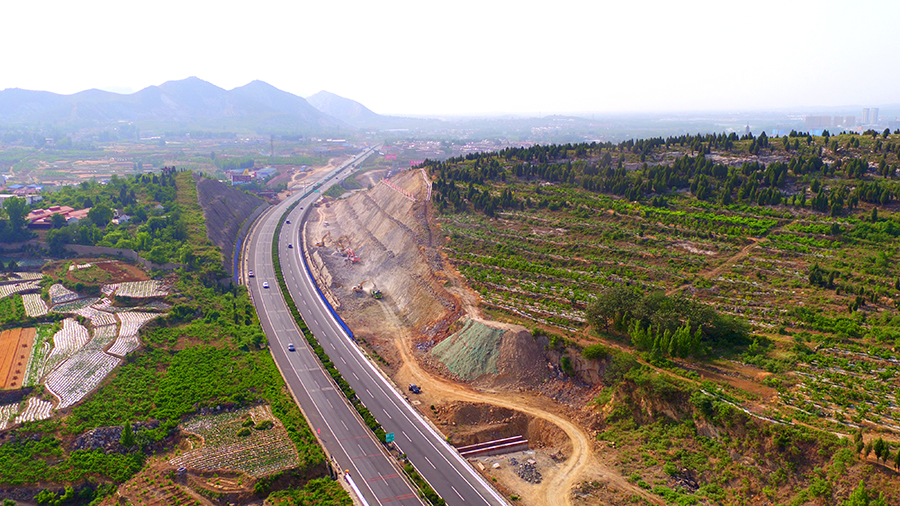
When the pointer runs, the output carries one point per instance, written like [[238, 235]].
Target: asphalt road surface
[[341, 430]]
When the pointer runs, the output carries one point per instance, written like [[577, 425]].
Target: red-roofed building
[[40, 218]]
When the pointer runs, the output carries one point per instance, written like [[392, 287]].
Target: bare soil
[[15, 348], [116, 271]]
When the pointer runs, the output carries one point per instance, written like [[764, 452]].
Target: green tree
[[127, 436], [100, 215], [58, 221], [16, 210], [860, 497]]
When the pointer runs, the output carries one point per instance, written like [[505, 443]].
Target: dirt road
[[561, 483]]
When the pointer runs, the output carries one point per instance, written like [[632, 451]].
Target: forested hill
[[721, 169]]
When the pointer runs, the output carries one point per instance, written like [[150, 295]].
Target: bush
[[264, 425], [595, 352], [244, 432]]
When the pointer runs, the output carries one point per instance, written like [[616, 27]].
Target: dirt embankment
[[225, 209], [398, 254]]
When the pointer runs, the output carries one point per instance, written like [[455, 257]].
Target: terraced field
[[257, 451]]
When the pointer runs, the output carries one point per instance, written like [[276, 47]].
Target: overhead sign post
[[389, 437]]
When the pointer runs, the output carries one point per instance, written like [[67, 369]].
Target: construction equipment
[[321, 244], [359, 288], [352, 256], [340, 243], [376, 293]]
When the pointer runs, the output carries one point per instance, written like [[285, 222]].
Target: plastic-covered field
[[35, 409], [34, 305], [79, 375], [127, 341]]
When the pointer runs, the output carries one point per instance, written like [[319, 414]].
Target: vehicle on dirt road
[[414, 388]]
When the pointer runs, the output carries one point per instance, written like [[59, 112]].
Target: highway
[[351, 444], [339, 428]]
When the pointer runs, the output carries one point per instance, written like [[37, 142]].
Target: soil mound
[[225, 210], [491, 355]]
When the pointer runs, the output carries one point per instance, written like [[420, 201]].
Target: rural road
[[340, 429]]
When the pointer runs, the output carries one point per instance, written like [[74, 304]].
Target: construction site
[[378, 258]]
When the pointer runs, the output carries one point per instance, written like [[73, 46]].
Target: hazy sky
[[462, 57]]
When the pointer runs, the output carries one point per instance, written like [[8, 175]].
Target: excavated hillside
[[225, 209], [398, 254]]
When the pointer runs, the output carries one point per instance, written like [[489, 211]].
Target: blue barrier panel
[[236, 257]]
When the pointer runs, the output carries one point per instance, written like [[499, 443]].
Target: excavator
[[359, 288], [321, 244], [340, 243], [376, 293]]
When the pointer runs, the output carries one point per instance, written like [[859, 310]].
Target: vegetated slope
[[795, 235], [205, 356], [225, 209]]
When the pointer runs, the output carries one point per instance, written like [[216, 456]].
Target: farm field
[[790, 243], [251, 440], [15, 351]]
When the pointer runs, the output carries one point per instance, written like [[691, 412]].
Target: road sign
[[389, 437]]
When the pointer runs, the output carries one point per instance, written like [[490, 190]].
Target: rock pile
[[527, 470], [109, 438]]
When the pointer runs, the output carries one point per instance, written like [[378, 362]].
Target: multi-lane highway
[[342, 433], [346, 438]]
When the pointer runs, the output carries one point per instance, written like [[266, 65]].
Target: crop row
[[34, 305], [60, 294], [257, 453], [73, 305], [35, 409], [127, 340], [98, 318], [7, 413], [79, 375], [139, 289], [66, 342], [9, 289]]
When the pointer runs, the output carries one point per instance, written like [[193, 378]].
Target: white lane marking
[[342, 360], [355, 376], [370, 393], [388, 414], [429, 461], [457, 493], [345, 425]]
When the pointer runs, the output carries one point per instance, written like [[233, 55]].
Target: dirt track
[[560, 482]]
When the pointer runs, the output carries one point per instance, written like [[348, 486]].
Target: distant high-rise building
[[817, 122], [874, 115], [865, 116], [849, 121], [747, 130], [838, 121]]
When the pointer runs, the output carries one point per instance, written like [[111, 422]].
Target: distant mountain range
[[193, 103]]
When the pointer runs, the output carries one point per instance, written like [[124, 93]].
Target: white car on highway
[[265, 284]]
